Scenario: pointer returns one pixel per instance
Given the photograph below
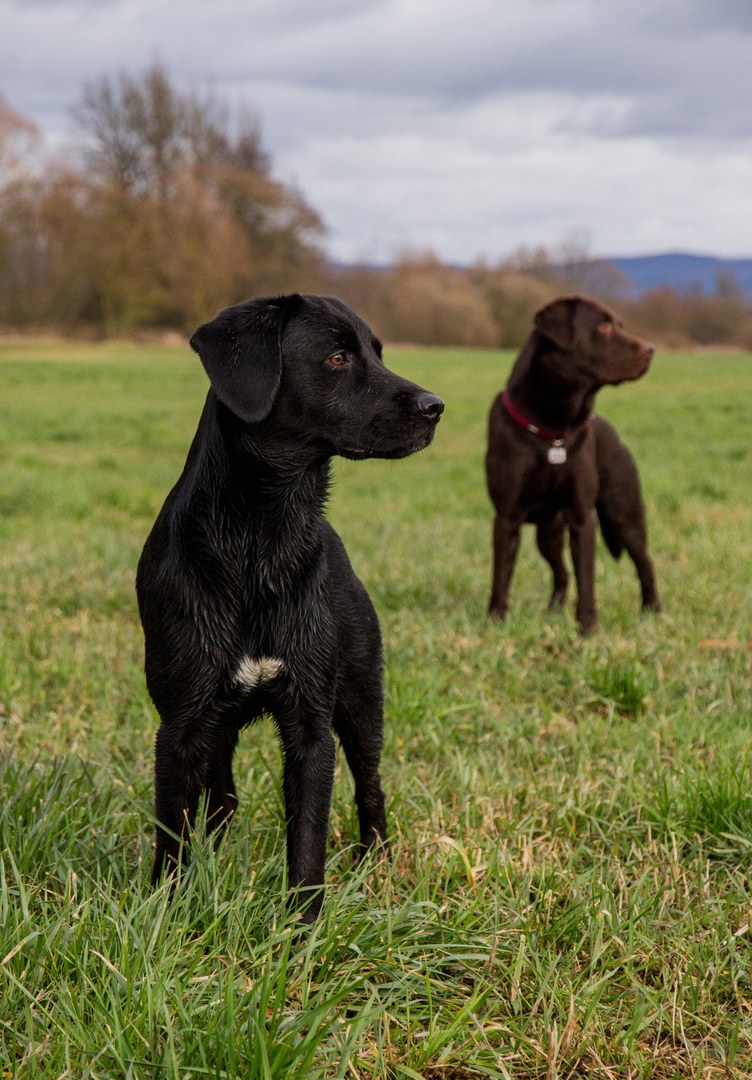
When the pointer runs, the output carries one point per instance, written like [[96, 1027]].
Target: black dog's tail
[[610, 529]]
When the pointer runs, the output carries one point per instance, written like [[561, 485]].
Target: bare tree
[[17, 137], [141, 130], [175, 215]]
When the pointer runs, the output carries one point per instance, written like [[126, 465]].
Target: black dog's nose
[[430, 405]]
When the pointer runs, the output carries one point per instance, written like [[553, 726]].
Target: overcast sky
[[467, 126]]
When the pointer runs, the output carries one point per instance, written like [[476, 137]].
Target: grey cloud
[[380, 194], [679, 66], [469, 125], [679, 17], [697, 73]]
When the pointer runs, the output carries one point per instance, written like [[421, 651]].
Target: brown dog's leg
[[550, 537], [506, 541], [635, 541], [582, 541]]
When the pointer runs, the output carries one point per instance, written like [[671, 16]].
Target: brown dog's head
[[595, 339]]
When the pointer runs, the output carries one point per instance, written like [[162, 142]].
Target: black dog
[[247, 597]]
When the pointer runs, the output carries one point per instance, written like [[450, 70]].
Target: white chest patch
[[252, 673]]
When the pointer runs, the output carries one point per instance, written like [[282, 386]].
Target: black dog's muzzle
[[430, 405]]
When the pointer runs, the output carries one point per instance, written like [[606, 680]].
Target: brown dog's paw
[[557, 601]]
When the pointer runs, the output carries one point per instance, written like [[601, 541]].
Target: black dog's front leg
[[179, 778], [186, 764], [359, 724], [309, 753]]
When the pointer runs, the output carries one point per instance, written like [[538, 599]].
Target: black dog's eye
[[337, 359]]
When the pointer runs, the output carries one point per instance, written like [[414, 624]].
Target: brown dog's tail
[[610, 529], [619, 503]]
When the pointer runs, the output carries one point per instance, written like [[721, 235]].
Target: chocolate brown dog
[[551, 460]]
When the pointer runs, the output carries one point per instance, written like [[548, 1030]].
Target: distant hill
[[682, 271]]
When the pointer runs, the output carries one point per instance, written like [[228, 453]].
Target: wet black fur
[[242, 563]]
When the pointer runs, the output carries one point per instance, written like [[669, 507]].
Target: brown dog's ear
[[556, 321], [241, 350]]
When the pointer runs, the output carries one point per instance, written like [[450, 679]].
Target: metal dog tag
[[557, 454]]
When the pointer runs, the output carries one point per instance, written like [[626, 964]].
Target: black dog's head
[[308, 369]]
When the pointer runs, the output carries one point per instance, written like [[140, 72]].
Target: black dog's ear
[[556, 321], [241, 350]]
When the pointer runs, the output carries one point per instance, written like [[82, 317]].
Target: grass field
[[572, 818]]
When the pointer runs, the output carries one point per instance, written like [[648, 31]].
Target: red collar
[[536, 429]]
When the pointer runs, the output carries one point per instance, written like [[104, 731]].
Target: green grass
[[572, 818]]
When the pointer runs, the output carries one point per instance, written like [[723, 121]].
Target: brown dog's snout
[[645, 351], [430, 405]]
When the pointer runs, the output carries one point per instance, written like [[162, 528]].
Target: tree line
[[168, 211]]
